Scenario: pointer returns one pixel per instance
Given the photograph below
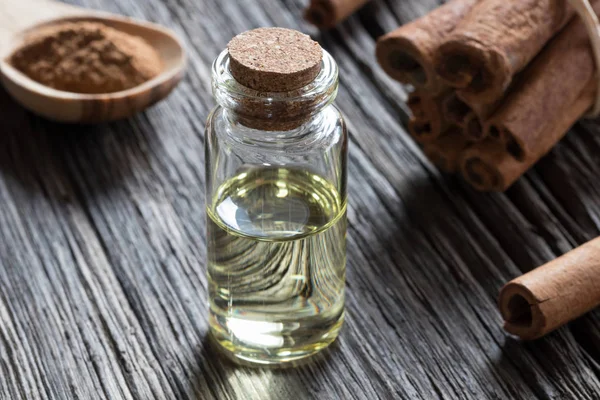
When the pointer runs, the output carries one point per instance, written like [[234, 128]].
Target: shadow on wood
[[39, 151], [268, 382]]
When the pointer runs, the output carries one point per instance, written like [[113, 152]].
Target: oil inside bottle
[[276, 264]]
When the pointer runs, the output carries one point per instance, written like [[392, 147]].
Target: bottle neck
[[273, 111]]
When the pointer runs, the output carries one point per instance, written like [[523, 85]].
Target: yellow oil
[[276, 264]]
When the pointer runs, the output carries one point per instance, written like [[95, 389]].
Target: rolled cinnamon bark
[[326, 14], [495, 41], [487, 165], [428, 120], [482, 110], [420, 130], [444, 152], [473, 128], [416, 105], [553, 80], [474, 122], [553, 294], [406, 54], [455, 110]]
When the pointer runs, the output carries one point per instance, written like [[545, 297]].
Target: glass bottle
[[276, 216]]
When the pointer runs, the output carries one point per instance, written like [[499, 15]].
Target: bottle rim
[[308, 99]]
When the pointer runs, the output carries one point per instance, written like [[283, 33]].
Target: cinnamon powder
[[86, 57]]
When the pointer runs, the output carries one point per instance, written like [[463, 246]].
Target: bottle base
[[275, 344]]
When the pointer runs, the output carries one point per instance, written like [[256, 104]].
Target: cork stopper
[[274, 59]]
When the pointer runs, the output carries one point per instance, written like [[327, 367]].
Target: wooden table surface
[[102, 254]]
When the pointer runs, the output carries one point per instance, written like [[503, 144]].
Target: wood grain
[[102, 281]]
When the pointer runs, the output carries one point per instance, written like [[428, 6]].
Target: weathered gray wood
[[102, 285]]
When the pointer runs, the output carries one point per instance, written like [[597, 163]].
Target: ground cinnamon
[[553, 294], [495, 41], [406, 54], [86, 57]]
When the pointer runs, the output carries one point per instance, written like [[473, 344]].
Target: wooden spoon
[[20, 17]]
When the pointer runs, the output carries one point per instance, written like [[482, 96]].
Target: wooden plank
[[66, 327], [102, 285]]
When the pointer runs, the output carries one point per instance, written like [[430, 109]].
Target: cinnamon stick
[[553, 294], [474, 122], [455, 110], [444, 152], [474, 128], [326, 14], [406, 54], [555, 79], [495, 41], [428, 120], [420, 130], [488, 166], [416, 105]]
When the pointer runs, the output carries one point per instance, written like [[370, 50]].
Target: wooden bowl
[[75, 107]]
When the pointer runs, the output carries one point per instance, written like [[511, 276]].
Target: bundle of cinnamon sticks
[[497, 83]]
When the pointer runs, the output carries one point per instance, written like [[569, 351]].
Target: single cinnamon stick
[[444, 152], [416, 105], [553, 294], [474, 122], [553, 80], [406, 54], [495, 41], [420, 130], [474, 129], [488, 166], [326, 14], [455, 110], [428, 120]]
